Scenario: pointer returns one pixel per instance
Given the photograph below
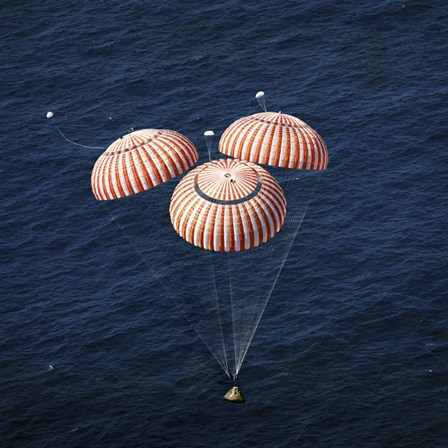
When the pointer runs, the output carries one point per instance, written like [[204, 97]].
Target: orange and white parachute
[[140, 161], [275, 139], [227, 206]]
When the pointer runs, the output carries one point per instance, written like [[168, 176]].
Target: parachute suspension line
[[241, 306], [261, 100], [246, 312], [223, 345], [234, 372], [209, 142], [78, 144], [250, 278], [160, 278], [252, 309], [221, 260], [292, 229], [237, 264], [236, 304], [212, 319], [278, 251]]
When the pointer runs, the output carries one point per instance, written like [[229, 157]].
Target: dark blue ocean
[[352, 350]]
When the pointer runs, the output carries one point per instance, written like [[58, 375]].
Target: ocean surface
[[352, 350]]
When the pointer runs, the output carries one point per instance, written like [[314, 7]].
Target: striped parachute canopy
[[140, 161], [228, 206], [275, 139]]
